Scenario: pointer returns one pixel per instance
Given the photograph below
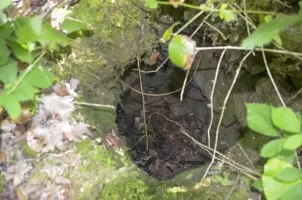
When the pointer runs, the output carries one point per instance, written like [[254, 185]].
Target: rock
[[239, 102], [254, 64], [179, 109], [194, 93], [205, 60], [266, 91], [228, 136], [171, 99], [203, 80]]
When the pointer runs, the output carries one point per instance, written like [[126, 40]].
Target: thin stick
[[279, 95], [212, 95], [189, 22], [154, 71], [245, 154], [246, 21], [249, 49], [213, 27], [94, 105], [184, 84], [283, 4], [233, 187], [293, 97], [260, 12], [248, 172], [272, 80], [143, 101], [222, 112], [254, 27], [203, 21], [162, 94]]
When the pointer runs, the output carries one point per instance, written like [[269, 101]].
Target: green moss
[[28, 151], [127, 186], [252, 140], [2, 180]]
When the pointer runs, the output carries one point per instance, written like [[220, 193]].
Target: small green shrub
[[280, 179], [23, 42]]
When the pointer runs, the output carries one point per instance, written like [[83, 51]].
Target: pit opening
[[169, 150]]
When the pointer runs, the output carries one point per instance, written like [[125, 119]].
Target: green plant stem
[[259, 12], [26, 71]]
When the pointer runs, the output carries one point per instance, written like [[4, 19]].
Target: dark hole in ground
[[170, 151]]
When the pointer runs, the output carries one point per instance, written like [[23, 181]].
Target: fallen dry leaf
[[2, 157], [61, 91], [113, 141], [153, 58]]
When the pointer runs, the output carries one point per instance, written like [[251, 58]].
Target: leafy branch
[[23, 37]]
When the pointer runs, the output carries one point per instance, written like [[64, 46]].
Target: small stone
[[113, 141], [2, 157], [61, 91]]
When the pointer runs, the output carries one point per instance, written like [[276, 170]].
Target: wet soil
[[169, 151]]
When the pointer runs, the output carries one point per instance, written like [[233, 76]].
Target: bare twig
[[184, 84], [254, 27], [154, 71], [245, 154], [293, 97], [162, 94], [233, 188], [272, 80], [250, 49], [94, 105], [189, 22], [222, 112], [244, 170], [284, 4], [246, 20], [213, 27], [143, 101], [212, 95]]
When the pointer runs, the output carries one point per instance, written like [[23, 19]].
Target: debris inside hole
[[170, 151]]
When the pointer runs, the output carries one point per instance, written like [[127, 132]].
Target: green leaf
[[259, 119], [24, 91], [4, 54], [286, 155], [28, 29], [52, 37], [8, 72], [274, 189], [227, 15], [293, 142], [288, 175], [272, 148], [258, 185], [4, 4], [274, 165], [151, 4], [294, 192], [6, 31], [169, 32], [20, 52], [39, 77], [11, 104], [3, 18], [286, 119], [266, 32], [70, 25], [182, 51]]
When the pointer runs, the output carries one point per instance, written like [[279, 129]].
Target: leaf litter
[[53, 128]]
